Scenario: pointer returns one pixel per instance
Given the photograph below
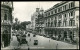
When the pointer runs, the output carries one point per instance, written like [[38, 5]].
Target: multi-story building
[[33, 18], [6, 22], [40, 22], [62, 20]]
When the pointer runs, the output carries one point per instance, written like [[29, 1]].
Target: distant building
[[40, 22], [6, 22], [63, 19], [33, 18]]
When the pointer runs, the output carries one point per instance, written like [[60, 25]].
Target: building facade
[[33, 19], [62, 21], [40, 22], [6, 22]]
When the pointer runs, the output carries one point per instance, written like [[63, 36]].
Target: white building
[[33, 18]]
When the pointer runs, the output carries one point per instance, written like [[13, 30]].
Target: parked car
[[48, 36], [44, 35], [35, 42], [34, 35], [53, 38]]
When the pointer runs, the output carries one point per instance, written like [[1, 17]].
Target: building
[[62, 21], [6, 22], [33, 18], [28, 27], [40, 22]]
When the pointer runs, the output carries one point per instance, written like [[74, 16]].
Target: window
[[61, 8], [72, 4], [60, 16], [5, 17], [72, 13], [71, 22], [55, 22], [69, 5], [65, 7], [65, 15], [51, 24], [65, 23], [51, 12], [77, 17], [46, 24], [59, 23], [55, 10], [69, 14]]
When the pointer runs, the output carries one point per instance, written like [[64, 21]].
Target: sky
[[24, 10]]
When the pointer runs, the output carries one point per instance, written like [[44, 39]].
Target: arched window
[[5, 17]]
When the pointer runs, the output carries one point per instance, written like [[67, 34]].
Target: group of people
[[21, 38], [65, 37]]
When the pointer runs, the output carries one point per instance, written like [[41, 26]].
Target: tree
[[23, 24], [16, 25], [16, 20]]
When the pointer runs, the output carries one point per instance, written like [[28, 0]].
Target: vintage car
[[34, 35], [35, 42]]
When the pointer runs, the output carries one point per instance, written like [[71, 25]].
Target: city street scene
[[39, 25]]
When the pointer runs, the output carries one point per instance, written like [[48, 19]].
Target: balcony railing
[[40, 25], [71, 17]]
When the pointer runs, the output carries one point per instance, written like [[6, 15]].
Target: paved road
[[43, 43], [47, 43]]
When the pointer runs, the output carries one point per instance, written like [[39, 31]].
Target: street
[[40, 25], [43, 43]]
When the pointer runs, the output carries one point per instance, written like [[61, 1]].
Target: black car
[[35, 42], [48, 36], [44, 35], [34, 35], [53, 38]]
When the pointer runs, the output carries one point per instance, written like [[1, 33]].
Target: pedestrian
[[71, 38], [30, 39], [49, 40], [56, 46], [28, 48]]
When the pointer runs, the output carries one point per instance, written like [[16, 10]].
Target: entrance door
[[5, 38], [65, 35]]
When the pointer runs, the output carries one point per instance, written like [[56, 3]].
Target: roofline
[[56, 5]]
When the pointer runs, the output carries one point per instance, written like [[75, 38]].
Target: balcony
[[40, 25], [6, 22], [68, 27], [71, 17]]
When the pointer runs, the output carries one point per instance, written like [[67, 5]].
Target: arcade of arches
[[61, 34]]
